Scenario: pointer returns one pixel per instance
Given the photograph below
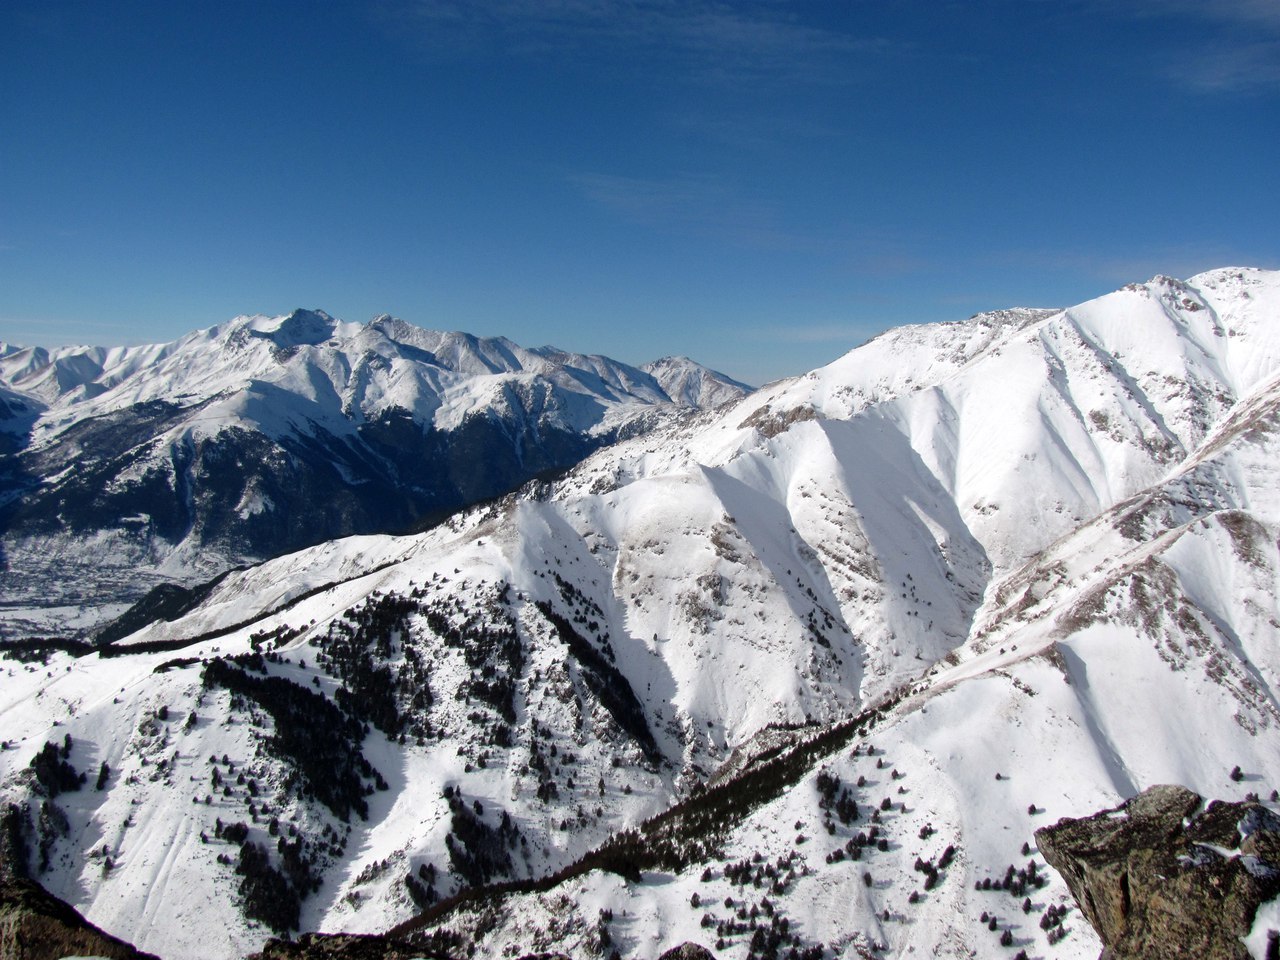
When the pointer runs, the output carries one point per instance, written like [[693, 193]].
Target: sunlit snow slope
[[125, 467], [1047, 540]]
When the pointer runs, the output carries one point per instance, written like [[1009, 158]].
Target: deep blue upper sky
[[758, 185]]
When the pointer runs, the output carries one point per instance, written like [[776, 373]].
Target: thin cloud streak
[[51, 333], [1232, 68], [849, 335], [1263, 13], [689, 203], [705, 40], [1181, 262], [1240, 56]]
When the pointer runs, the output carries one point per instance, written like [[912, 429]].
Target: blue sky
[[758, 185]]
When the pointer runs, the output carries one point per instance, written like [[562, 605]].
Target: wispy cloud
[[1141, 265], [1242, 67], [690, 203], [1264, 13], [57, 332], [702, 38], [845, 334], [887, 259], [1234, 48]]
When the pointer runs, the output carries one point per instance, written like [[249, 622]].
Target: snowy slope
[[360, 368], [693, 385], [1049, 536], [1141, 649], [124, 467]]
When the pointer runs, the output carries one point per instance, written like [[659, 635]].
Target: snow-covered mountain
[[126, 467], [871, 626], [692, 384]]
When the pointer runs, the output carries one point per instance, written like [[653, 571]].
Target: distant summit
[[693, 385], [266, 434], [823, 659]]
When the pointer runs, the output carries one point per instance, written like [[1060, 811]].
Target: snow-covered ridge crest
[[369, 367], [180, 459], [1048, 537]]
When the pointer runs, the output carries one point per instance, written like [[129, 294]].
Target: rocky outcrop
[[35, 925], [343, 946], [1165, 875], [688, 951], [346, 946]]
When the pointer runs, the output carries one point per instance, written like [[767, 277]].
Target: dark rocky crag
[[352, 947], [35, 925], [1165, 875], [688, 951], [343, 946]]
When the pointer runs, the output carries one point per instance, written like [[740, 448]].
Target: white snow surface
[[1266, 923], [692, 385], [334, 371], [305, 380], [1056, 531]]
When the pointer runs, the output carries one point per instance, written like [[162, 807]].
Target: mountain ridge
[[1045, 544], [266, 434]]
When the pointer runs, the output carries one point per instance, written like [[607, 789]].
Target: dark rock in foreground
[[688, 951], [1164, 875], [342, 946], [35, 925]]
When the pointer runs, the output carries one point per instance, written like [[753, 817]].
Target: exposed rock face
[[316, 946], [688, 951], [342, 946], [264, 435], [1164, 875], [34, 925]]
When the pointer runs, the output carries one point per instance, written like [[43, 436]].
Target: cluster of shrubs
[[833, 797], [853, 847], [811, 624], [51, 826], [478, 852], [422, 888], [584, 612], [54, 772], [440, 942], [1015, 882], [775, 877], [768, 944], [768, 940], [54, 775], [274, 638], [491, 646], [689, 831], [270, 894], [15, 828], [606, 682], [356, 649], [319, 741], [993, 924], [1051, 922], [266, 894]]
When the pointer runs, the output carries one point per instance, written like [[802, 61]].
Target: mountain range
[[799, 675], [234, 444]]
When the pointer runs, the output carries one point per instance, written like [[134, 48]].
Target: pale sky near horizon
[[758, 185]]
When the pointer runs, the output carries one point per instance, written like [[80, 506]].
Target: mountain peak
[[297, 329], [691, 384], [964, 581]]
